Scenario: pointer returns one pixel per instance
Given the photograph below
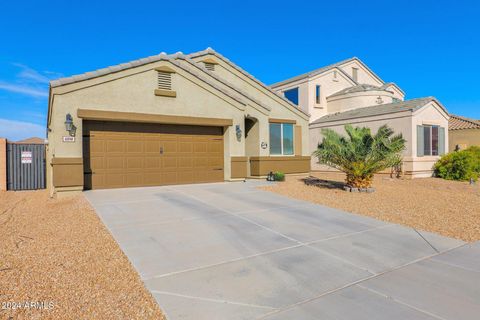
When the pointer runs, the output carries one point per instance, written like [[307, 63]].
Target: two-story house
[[349, 92]]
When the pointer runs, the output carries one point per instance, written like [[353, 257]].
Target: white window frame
[[281, 140], [430, 126]]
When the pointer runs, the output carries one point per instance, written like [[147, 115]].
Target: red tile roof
[[461, 123]]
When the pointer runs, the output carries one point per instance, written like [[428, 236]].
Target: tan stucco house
[[170, 119], [463, 133], [349, 92]]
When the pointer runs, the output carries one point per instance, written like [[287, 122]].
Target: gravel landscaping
[[449, 208], [58, 256]]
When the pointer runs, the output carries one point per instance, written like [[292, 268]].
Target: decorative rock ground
[[351, 189]]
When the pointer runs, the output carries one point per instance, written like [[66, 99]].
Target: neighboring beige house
[[463, 133], [32, 140], [348, 92], [170, 119]]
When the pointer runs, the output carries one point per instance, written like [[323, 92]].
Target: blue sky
[[426, 47]]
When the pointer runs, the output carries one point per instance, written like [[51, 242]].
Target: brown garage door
[[118, 154]]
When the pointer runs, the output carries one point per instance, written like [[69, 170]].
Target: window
[[355, 74], [434, 134], [281, 139], [427, 141], [292, 95], [430, 141], [317, 94]]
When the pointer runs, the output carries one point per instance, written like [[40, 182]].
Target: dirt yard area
[[446, 207], [58, 255]]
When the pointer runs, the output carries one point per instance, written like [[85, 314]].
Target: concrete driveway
[[230, 251]]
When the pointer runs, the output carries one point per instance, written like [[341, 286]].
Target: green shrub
[[279, 176], [459, 165]]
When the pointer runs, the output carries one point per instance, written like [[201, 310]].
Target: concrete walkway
[[230, 251]]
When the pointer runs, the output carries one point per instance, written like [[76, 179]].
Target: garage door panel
[[215, 146], [185, 146], [169, 177], [184, 177], [97, 180], [97, 146], [185, 162], [169, 146], [152, 178], [115, 180], [96, 162], [134, 179], [153, 163], [185, 138], [135, 146], [128, 155], [201, 163], [200, 147], [115, 163], [216, 175], [200, 176], [215, 162], [115, 146], [135, 163], [169, 163], [152, 147]]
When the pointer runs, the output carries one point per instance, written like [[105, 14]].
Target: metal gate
[[25, 166]]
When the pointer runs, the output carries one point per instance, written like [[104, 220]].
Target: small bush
[[279, 176], [459, 165]]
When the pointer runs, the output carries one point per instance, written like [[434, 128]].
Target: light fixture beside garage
[[238, 131], [69, 126]]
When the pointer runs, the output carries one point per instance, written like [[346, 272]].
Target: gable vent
[[209, 66], [164, 80]]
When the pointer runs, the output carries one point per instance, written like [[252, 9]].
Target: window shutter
[[420, 142], [441, 141]]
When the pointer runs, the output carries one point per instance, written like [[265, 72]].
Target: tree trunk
[[359, 182]]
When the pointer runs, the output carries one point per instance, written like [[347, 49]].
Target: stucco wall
[[357, 100], [279, 108], [396, 92], [463, 138], [428, 115], [404, 123], [364, 76], [329, 84], [334, 81], [133, 91], [400, 123]]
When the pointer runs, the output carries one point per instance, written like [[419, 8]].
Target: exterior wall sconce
[[69, 126], [238, 132]]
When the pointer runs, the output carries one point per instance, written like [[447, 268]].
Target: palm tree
[[360, 155]]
